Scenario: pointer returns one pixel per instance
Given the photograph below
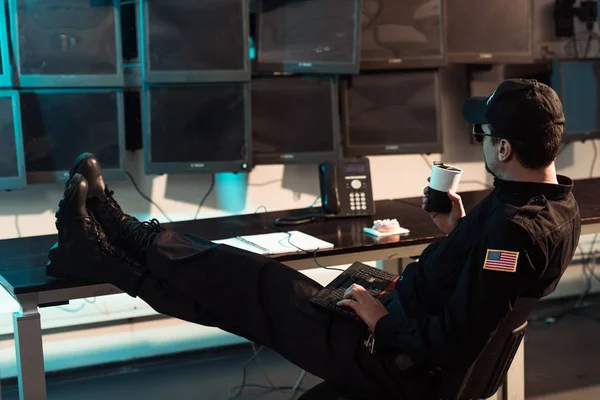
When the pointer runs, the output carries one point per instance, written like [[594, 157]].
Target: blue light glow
[[231, 190], [252, 48]]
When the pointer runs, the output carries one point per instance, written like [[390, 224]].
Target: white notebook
[[277, 243]]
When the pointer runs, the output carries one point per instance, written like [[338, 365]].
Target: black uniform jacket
[[516, 243]]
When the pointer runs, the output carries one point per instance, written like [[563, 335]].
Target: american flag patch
[[501, 260]]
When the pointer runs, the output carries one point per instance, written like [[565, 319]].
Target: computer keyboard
[[372, 279]]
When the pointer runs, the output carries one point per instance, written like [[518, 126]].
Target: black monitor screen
[[57, 127], [307, 31], [489, 26], [197, 124], [292, 115], [192, 35], [393, 110], [75, 37], [8, 147], [393, 29], [577, 83]]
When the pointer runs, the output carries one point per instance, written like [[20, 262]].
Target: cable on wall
[[208, 192], [145, 197]]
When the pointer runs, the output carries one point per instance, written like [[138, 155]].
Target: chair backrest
[[482, 379]]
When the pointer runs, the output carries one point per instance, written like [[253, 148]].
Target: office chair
[[481, 380]]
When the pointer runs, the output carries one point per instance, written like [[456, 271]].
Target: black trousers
[[267, 302]]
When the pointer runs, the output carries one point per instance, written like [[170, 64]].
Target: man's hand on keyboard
[[367, 307]]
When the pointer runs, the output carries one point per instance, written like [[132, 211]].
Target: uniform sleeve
[[497, 270]]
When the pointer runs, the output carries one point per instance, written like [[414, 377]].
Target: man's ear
[[505, 150]]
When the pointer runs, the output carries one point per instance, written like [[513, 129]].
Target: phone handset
[[328, 180]]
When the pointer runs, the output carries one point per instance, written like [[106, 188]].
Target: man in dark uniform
[[514, 245]]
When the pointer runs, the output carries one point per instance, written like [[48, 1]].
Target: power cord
[[79, 308], [594, 159], [72, 310], [208, 192], [277, 388], [314, 202], [572, 45], [272, 387], [17, 227], [301, 220], [236, 391], [588, 274], [148, 199], [289, 236]]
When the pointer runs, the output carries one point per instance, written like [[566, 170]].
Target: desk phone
[[346, 188]]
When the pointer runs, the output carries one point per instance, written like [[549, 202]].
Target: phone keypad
[[358, 201]]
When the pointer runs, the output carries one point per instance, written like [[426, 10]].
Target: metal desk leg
[[514, 389], [388, 265], [30, 353], [395, 265]]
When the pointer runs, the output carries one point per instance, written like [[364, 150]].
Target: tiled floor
[[562, 362]]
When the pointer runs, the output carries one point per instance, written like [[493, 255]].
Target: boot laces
[[140, 234], [106, 249]]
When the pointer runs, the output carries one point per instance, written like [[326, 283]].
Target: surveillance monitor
[[12, 165], [402, 34], [5, 67], [196, 128], [577, 84], [60, 124], [490, 31], [309, 36], [67, 43], [195, 41], [295, 120], [392, 113]]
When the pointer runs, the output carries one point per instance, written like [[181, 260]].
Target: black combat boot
[[123, 230], [83, 252]]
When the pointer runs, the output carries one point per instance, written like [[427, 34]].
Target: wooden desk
[[22, 267]]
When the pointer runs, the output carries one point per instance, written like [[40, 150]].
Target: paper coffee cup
[[443, 179]]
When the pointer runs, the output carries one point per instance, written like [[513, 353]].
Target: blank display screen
[[67, 37], [194, 35], [311, 31], [197, 124], [393, 29], [488, 26], [292, 115], [57, 127], [580, 97], [393, 109], [8, 150]]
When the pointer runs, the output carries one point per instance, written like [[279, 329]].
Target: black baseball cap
[[519, 109]]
